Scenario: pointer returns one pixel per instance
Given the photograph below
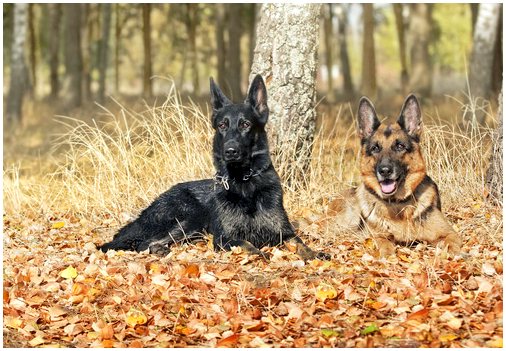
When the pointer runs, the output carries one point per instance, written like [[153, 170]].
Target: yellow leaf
[[36, 341], [495, 343], [447, 337], [58, 225], [325, 291], [135, 317], [69, 273]]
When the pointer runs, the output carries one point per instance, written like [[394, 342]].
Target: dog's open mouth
[[388, 186]]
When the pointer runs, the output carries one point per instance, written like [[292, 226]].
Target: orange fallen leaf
[[419, 315], [230, 341]]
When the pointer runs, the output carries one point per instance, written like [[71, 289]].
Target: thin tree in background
[[146, 35], [420, 28], [252, 19], [286, 57], [54, 47], [88, 27], [369, 86], [191, 22], [342, 23], [73, 55], [401, 36], [482, 54], [117, 39], [327, 36], [104, 50], [221, 55], [33, 49], [19, 72], [234, 50], [494, 178]]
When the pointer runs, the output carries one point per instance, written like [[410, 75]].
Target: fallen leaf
[[369, 329], [329, 333], [420, 315], [447, 337], [230, 341], [69, 273], [135, 317], [58, 225], [325, 291]]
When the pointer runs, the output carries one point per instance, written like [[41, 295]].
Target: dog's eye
[[400, 146], [245, 124], [375, 149], [222, 125]]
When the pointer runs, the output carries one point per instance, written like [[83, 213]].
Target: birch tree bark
[[286, 57], [19, 70], [482, 56]]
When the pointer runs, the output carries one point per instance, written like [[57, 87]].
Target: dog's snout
[[385, 170], [231, 152]]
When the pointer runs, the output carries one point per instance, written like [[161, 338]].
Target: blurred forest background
[[60, 57]]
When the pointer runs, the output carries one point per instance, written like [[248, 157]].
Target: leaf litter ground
[[59, 291]]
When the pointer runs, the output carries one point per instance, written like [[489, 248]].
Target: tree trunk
[[191, 21], [54, 47], [146, 32], [234, 50], [328, 35], [88, 25], [286, 57], [482, 55], [73, 55], [33, 50], [342, 18], [497, 66], [474, 15], [104, 49], [117, 36], [420, 30], [494, 178], [19, 72], [369, 87], [221, 53], [401, 36], [251, 33]]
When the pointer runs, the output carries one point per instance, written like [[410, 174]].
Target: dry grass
[[116, 167]]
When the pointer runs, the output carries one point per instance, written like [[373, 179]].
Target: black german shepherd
[[242, 205]]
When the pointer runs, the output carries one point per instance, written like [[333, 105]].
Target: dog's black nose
[[231, 152], [385, 171]]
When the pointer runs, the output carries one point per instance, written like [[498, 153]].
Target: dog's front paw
[[323, 256], [159, 250], [385, 247], [452, 242]]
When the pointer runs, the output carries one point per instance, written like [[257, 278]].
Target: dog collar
[[223, 180]]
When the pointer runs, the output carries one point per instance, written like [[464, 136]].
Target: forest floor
[[59, 291]]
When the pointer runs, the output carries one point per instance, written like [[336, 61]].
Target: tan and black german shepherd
[[397, 202]]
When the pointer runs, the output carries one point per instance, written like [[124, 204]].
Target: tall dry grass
[[116, 167]]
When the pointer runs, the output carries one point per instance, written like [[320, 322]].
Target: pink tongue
[[387, 187]]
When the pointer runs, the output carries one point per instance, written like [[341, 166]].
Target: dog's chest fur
[[401, 220], [244, 213]]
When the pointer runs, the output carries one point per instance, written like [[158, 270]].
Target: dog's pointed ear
[[257, 98], [368, 122], [218, 99], [410, 118]]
